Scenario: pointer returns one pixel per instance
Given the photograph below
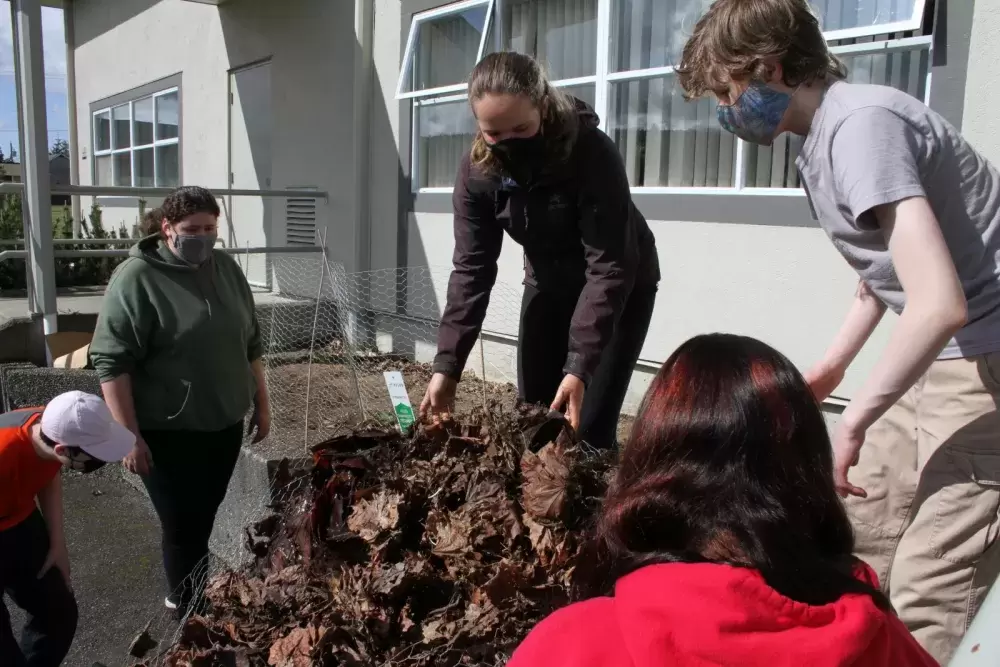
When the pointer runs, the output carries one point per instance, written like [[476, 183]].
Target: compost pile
[[444, 548]]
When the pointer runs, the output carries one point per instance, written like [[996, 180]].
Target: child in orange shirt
[[77, 430]]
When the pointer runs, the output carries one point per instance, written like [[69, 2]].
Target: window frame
[[132, 148], [423, 17], [603, 79]]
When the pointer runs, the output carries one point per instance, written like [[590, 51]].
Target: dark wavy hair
[[151, 222], [188, 200], [730, 462]]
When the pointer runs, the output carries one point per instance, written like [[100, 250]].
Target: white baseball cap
[[79, 419]]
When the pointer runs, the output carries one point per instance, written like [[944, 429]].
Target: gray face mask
[[194, 248]]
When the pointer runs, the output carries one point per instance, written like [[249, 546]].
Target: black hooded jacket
[[583, 238]]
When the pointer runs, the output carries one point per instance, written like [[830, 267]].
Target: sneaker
[[170, 603]]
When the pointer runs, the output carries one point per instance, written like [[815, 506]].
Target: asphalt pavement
[[117, 571]]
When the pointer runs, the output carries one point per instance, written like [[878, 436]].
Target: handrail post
[[27, 15]]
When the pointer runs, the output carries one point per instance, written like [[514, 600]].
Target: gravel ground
[[117, 570]]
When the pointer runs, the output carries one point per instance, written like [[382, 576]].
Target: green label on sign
[[404, 415]]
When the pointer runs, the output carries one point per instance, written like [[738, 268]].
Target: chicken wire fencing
[[330, 337]]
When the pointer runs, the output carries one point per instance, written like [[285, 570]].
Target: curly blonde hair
[[511, 73], [742, 39]]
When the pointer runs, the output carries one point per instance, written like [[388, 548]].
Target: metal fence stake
[[312, 344], [482, 361]]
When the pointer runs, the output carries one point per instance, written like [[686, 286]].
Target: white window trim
[[131, 131], [906, 25], [458, 92], [422, 17]]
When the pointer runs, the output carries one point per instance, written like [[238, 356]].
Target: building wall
[[981, 123], [129, 43], [753, 265]]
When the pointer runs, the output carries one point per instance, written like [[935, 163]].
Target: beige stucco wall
[[128, 43], [784, 285], [981, 122]]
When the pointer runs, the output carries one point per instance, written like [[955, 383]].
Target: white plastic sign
[[401, 405]]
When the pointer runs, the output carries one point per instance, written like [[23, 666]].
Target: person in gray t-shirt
[[915, 210]]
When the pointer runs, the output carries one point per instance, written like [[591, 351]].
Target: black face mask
[[522, 157], [81, 461]]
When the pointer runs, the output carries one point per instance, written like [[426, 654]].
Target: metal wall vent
[[300, 218]]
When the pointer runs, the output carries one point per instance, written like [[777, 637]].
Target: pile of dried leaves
[[441, 549]]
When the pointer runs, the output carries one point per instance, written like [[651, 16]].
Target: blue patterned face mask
[[756, 115]]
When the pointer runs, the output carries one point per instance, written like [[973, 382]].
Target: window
[[618, 56], [137, 143]]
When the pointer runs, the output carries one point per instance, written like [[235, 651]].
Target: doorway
[[251, 221]]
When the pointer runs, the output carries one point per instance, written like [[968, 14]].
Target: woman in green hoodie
[[178, 351]]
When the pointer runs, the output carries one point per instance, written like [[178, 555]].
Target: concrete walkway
[[117, 570]]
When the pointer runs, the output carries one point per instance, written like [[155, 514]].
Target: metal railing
[[115, 191], [63, 254], [58, 242]]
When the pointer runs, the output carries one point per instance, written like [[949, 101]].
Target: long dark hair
[[729, 461]]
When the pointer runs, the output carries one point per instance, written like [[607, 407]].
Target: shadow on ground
[[114, 544]]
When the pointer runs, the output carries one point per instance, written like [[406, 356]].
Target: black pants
[[49, 603], [541, 354], [190, 476]]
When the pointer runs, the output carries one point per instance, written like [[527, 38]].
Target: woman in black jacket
[[541, 170]]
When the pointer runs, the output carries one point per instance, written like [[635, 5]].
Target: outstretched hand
[[58, 558], [439, 400], [847, 444], [569, 399]]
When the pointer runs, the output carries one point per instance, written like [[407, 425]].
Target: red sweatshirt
[[697, 615]]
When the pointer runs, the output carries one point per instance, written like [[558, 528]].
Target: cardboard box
[[69, 349]]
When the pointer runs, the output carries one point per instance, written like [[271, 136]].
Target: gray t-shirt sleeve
[[874, 155]]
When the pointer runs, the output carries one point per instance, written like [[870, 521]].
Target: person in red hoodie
[[722, 540]]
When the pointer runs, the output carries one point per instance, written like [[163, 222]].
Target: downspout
[[361, 327], [74, 145], [364, 32]]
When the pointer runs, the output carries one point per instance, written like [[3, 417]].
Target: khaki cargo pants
[[929, 527]]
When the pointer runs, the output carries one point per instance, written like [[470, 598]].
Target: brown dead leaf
[[544, 492], [371, 519], [295, 648]]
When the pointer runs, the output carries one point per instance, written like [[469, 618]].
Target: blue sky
[[54, 46]]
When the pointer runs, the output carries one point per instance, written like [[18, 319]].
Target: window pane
[[774, 166], [123, 169], [444, 135], [144, 168], [562, 34], [102, 131], [168, 166], [445, 49], [666, 141], [167, 116], [904, 70], [142, 121], [102, 171], [650, 33], [867, 16], [120, 127], [584, 92]]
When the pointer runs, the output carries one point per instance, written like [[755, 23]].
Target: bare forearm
[[50, 502], [261, 398], [865, 313], [118, 396], [919, 337]]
